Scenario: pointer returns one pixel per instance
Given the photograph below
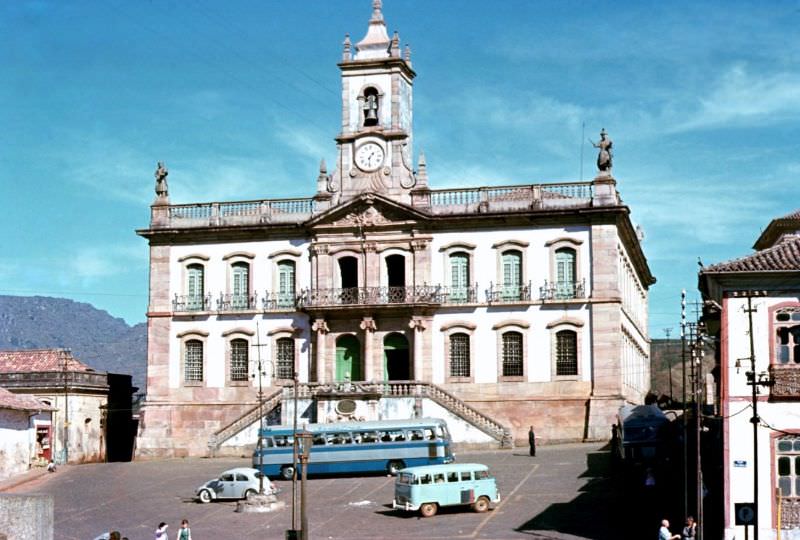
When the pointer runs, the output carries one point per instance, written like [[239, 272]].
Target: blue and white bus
[[348, 447]]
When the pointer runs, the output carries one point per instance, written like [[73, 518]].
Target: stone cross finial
[[422, 169], [407, 54], [394, 48], [347, 55], [162, 190]]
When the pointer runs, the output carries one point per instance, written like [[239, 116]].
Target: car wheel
[[287, 472], [427, 509], [205, 496], [481, 505], [394, 467], [249, 493]]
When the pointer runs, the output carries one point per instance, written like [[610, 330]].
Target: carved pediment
[[365, 212]]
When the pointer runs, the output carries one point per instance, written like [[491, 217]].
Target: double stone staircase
[[393, 389]]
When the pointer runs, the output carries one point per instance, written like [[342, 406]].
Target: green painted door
[[348, 359]]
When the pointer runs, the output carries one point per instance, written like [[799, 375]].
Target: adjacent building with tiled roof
[[74, 426], [18, 448], [752, 303]]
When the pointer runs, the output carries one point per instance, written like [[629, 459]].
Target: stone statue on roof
[[605, 155], [162, 191]]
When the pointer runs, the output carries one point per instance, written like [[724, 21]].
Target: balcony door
[[565, 273], [512, 275], [396, 277], [396, 358], [459, 277], [348, 359]]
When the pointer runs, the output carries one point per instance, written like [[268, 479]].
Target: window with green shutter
[[194, 287], [240, 286], [512, 275], [459, 277], [286, 284], [565, 273]]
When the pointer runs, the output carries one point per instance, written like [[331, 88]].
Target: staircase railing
[[248, 418], [431, 391]]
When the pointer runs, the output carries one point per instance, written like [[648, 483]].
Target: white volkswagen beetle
[[239, 483]]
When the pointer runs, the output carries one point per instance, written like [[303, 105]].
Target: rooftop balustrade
[[488, 199]]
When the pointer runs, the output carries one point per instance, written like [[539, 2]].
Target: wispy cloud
[[90, 264]]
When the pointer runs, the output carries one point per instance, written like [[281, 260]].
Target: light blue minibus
[[354, 447], [427, 488]]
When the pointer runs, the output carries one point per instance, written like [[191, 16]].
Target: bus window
[[367, 436], [438, 478], [338, 438], [385, 436], [267, 442], [466, 476], [415, 434], [397, 435], [425, 479], [452, 476], [283, 440], [318, 440], [480, 475], [429, 434]]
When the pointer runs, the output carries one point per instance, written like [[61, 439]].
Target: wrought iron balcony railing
[[191, 302], [279, 301], [370, 296], [236, 302], [459, 295], [502, 293], [562, 290]]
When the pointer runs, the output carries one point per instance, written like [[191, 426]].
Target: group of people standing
[[184, 533], [689, 531]]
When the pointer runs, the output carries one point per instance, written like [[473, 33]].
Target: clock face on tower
[[369, 156]]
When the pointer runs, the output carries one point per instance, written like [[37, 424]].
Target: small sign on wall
[[739, 463]]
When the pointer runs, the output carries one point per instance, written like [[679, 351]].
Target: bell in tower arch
[[370, 107]]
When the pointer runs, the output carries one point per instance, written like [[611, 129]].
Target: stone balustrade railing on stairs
[[271, 401]]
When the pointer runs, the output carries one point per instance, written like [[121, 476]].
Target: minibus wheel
[[481, 505], [394, 467], [427, 509], [287, 471]]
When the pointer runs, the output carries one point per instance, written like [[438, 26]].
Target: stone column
[[369, 328], [418, 325], [422, 262], [372, 266], [321, 328]]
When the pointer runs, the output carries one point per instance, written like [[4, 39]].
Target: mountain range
[[96, 338]]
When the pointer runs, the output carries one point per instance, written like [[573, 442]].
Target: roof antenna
[[583, 132]]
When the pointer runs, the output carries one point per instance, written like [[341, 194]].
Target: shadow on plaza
[[613, 504]]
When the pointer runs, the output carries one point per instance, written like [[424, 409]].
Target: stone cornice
[[511, 322], [242, 254]]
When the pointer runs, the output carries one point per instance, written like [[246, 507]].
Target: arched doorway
[[396, 360], [348, 359]]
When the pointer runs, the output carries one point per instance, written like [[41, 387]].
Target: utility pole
[[754, 419], [667, 332], [65, 353], [260, 374], [698, 360], [683, 403]]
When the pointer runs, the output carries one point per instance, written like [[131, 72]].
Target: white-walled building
[[19, 448], [504, 306], [762, 290]]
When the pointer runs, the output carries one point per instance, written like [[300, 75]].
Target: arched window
[[565, 273], [459, 355], [193, 361], [240, 360], [286, 284], [511, 288], [787, 336], [240, 285], [194, 287], [566, 352], [284, 358], [512, 354], [459, 277]]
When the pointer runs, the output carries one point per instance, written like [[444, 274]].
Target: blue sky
[[241, 99]]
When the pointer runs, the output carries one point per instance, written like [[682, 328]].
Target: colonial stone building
[[496, 307], [752, 309]]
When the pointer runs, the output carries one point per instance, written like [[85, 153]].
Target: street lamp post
[[305, 445], [260, 444]]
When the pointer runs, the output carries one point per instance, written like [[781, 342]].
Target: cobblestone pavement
[[563, 493]]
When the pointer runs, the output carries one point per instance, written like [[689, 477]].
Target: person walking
[[532, 441], [664, 534], [184, 533], [161, 531], [690, 530]]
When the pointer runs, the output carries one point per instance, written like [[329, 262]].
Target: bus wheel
[[394, 467], [481, 505], [427, 509], [287, 472]]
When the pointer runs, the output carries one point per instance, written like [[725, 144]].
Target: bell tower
[[375, 143]]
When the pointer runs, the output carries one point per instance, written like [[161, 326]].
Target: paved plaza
[[564, 492]]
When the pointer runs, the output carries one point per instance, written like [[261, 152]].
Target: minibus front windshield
[[405, 478]]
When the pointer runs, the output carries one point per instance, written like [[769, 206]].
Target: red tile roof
[[783, 256], [788, 224], [21, 402], [39, 360]]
